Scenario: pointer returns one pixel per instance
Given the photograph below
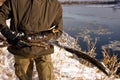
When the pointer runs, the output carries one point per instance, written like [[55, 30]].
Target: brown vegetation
[[111, 62], [90, 50]]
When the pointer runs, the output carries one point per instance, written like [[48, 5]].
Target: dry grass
[[111, 62], [90, 50]]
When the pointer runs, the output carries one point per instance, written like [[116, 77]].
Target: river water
[[94, 21]]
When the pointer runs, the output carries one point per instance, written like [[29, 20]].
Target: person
[[30, 17]]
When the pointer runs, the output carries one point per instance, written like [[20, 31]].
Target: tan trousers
[[24, 67]]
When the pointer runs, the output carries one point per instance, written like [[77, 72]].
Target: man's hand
[[12, 38]]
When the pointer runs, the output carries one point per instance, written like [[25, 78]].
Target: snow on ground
[[70, 69], [66, 66], [6, 65]]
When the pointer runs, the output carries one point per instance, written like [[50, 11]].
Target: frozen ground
[[66, 66]]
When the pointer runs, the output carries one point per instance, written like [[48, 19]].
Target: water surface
[[102, 23]]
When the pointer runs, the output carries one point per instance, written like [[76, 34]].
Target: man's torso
[[34, 15]]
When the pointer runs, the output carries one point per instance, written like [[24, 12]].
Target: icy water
[[98, 22]]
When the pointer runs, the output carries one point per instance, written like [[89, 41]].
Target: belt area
[[35, 40], [35, 37]]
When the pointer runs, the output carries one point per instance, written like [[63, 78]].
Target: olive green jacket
[[31, 16]]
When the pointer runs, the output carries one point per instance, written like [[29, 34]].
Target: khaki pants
[[24, 67]]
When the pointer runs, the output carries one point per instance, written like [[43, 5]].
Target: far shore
[[88, 2]]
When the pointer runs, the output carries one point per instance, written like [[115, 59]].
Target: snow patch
[[66, 65]]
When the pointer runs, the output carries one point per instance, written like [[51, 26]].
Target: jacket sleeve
[[5, 10], [59, 23]]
